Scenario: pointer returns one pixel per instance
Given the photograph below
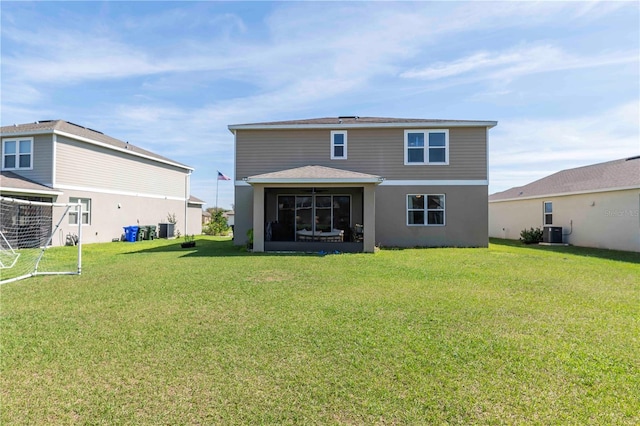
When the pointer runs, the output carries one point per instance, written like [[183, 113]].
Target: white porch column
[[258, 218], [369, 219]]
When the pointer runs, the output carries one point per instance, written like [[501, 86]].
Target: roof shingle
[[355, 121], [83, 132], [624, 173]]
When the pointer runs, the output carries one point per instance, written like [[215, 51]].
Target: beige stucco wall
[[465, 217], [607, 220], [194, 219], [108, 220]]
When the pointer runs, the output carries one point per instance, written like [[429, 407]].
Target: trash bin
[[142, 233], [151, 232], [130, 233]]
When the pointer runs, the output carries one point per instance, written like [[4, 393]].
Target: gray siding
[[42, 160], [95, 167], [466, 217], [373, 151]]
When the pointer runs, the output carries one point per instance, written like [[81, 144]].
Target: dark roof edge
[[364, 125]]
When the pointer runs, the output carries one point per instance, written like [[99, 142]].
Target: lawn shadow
[[617, 255], [209, 248]]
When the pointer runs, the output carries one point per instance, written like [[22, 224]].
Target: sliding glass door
[[311, 215]]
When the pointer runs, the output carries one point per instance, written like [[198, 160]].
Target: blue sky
[[561, 78]]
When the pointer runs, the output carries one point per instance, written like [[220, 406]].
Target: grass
[[155, 334]]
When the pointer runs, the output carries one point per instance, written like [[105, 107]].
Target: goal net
[[28, 231]]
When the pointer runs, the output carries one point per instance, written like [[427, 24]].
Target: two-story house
[[351, 183], [117, 183]]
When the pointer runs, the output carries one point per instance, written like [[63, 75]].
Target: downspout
[[186, 202]]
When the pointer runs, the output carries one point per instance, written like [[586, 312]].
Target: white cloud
[[517, 62], [305, 59], [523, 150]]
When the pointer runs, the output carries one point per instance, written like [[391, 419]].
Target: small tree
[[217, 226], [171, 218]]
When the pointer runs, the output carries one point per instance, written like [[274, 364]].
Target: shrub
[[217, 226], [531, 236]]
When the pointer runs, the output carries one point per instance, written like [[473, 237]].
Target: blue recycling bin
[[130, 233]]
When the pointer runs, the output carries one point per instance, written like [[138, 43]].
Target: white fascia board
[[338, 126], [94, 142], [313, 181], [564, 194], [478, 182], [30, 191]]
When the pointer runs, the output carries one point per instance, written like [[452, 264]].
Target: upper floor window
[[425, 209], [548, 213], [338, 145], [17, 153], [86, 211], [426, 147]]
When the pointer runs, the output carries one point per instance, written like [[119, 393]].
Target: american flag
[[222, 176]]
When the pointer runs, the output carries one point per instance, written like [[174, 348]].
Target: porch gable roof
[[314, 175], [12, 182]]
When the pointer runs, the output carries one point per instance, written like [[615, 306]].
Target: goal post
[[27, 232]]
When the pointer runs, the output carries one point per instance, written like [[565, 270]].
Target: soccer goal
[[28, 231]]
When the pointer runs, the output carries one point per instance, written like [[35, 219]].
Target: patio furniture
[[336, 236], [358, 233]]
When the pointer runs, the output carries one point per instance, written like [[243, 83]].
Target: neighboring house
[[596, 206], [351, 183], [230, 217], [206, 218], [194, 215], [118, 184]]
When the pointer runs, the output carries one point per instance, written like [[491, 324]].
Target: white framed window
[[548, 212], [338, 145], [426, 147], [425, 210], [17, 154], [86, 211]]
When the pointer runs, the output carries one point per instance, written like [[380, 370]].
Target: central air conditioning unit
[[552, 234]]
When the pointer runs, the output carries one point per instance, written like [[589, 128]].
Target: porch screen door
[[315, 213]]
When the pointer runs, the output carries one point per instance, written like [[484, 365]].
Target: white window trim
[[17, 154], [344, 134], [426, 133], [544, 213], [74, 211], [426, 210]]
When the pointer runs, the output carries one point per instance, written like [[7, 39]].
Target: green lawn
[[155, 334]]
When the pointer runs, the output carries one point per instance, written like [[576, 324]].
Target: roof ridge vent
[[351, 117]]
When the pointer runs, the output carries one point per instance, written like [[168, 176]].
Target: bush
[[217, 226], [531, 236]]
